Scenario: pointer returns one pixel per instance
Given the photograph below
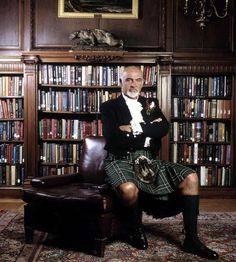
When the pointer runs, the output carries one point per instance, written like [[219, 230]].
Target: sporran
[[142, 169]]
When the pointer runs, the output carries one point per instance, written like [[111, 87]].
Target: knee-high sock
[[190, 216], [131, 216]]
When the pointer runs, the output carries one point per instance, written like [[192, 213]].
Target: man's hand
[[126, 128]]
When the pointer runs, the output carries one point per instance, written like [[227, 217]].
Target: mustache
[[133, 90]]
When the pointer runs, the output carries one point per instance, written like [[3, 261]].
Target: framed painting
[[112, 9]]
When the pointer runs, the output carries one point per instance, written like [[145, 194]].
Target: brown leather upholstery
[[53, 202], [82, 204], [91, 164]]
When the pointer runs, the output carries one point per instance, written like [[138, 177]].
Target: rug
[[218, 230]]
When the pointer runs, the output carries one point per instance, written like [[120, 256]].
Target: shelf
[[194, 119], [12, 127], [59, 164], [202, 108], [218, 192], [71, 112], [61, 86], [203, 97], [200, 143], [11, 141]]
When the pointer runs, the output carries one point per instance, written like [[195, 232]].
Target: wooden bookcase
[[12, 135], [202, 120], [65, 91], [69, 99], [50, 75]]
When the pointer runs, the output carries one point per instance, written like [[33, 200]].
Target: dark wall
[[11, 25], [162, 26], [217, 37], [143, 32]]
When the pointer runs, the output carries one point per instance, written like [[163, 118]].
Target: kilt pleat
[[168, 175]]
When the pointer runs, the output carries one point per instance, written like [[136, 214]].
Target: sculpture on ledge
[[95, 39]]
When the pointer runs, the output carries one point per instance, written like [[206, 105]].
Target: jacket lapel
[[123, 109]]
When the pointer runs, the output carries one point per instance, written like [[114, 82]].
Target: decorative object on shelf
[[98, 58], [95, 38], [205, 9], [117, 9]]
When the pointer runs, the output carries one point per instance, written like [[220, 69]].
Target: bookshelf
[[68, 91], [202, 124], [69, 99], [64, 90], [11, 125]]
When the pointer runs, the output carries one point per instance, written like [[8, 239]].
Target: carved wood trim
[[98, 58], [30, 59], [204, 69], [9, 68], [163, 23]]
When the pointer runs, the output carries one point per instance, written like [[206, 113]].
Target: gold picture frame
[[98, 9]]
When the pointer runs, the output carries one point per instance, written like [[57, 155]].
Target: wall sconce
[[203, 10]]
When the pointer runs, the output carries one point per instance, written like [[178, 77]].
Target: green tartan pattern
[[168, 175]]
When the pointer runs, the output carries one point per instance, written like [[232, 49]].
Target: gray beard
[[133, 95]]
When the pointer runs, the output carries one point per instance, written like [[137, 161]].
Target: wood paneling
[[11, 25], [188, 37], [162, 26], [148, 31]]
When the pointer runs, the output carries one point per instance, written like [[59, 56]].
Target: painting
[[112, 9]]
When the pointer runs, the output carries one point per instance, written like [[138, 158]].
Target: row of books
[[200, 154], [11, 130], [11, 175], [11, 86], [89, 75], [202, 86], [11, 153], [201, 108], [78, 100], [214, 175], [200, 131], [51, 128], [60, 153], [58, 170], [11, 108]]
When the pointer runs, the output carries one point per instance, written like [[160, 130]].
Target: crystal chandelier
[[204, 10]]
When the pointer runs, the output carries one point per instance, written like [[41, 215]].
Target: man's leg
[[128, 194], [190, 191]]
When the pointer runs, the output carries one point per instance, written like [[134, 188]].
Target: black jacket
[[115, 113]]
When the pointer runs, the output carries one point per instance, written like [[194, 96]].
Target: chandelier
[[204, 10]]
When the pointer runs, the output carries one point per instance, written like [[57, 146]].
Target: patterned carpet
[[218, 230]]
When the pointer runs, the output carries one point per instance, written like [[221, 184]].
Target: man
[[132, 127]]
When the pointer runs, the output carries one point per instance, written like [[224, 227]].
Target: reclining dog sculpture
[[96, 37]]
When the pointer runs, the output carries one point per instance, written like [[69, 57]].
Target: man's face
[[132, 82]]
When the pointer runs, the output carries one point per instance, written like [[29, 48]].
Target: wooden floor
[[210, 205]]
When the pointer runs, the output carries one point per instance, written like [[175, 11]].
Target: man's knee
[[190, 185], [128, 193], [192, 179]]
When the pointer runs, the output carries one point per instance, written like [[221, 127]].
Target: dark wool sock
[[190, 216], [131, 216]]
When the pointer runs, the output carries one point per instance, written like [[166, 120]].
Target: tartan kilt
[[168, 175]]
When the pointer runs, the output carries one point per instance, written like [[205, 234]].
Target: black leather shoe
[[199, 249], [138, 239]]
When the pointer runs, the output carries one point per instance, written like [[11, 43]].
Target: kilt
[[168, 175]]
